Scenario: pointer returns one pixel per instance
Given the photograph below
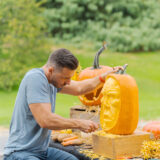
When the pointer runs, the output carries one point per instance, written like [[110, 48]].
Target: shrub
[[131, 25], [23, 41]]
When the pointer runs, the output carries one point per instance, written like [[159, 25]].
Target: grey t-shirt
[[25, 133]]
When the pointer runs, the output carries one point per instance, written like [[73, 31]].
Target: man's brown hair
[[63, 58]]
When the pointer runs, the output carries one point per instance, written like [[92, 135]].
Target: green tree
[[130, 25], [23, 41]]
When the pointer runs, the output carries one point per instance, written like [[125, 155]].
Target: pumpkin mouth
[[93, 95]]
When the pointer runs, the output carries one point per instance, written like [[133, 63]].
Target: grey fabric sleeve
[[37, 89]]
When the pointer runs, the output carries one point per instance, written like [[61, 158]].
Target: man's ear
[[50, 69]]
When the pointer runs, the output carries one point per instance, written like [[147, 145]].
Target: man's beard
[[56, 84]]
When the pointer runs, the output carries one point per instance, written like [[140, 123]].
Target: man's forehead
[[67, 71]]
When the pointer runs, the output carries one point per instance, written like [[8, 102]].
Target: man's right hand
[[87, 126]]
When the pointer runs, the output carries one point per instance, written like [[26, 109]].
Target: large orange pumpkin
[[153, 127], [119, 104], [93, 98]]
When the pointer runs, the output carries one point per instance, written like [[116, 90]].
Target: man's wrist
[[101, 79], [76, 123]]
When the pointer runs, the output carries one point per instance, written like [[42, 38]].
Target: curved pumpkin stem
[[122, 71], [96, 58]]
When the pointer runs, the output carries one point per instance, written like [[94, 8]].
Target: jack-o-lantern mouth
[[93, 98], [93, 95]]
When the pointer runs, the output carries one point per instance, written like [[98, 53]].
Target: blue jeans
[[50, 154]]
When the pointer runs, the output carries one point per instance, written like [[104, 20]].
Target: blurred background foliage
[[23, 41], [128, 25], [27, 27]]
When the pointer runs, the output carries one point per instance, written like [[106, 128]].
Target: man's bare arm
[[46, 119], [77, 88]]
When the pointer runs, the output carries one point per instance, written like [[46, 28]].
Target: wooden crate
[[80, 112], [121, 146]]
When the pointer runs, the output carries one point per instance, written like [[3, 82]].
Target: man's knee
[[20, 156], [72, 158], [57, 154], [31, 158]]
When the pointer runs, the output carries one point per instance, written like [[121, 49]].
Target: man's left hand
[[115, 69]]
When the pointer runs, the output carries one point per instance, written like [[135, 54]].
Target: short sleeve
[[37, 89]]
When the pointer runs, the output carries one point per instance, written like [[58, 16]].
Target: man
[[33, 117]]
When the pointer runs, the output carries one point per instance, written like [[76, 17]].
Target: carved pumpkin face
[[119, 105], [93, 98]]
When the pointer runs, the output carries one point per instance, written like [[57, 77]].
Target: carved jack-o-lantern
[[94, 97], [119, 104]]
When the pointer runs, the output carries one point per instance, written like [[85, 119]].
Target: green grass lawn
[[7, 100], [144, 67]]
